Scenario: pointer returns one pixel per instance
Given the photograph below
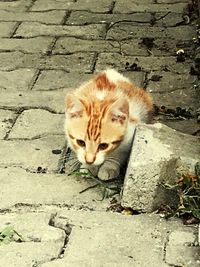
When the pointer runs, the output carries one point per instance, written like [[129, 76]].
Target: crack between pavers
[[66, 17], [15, 29], [94, 62], [31, 5], [14, 121], [112, 6], [21, 109], [67, 229], [34, 79]]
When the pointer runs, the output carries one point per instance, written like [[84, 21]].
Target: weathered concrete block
[[158, 155]]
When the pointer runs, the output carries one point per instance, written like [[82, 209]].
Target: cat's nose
[[89, 162], [89, 159]]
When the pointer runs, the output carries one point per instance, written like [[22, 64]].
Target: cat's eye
[[80, 142], [102, 146]]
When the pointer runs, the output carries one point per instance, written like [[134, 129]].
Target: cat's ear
[[119, 111], [74, 107]]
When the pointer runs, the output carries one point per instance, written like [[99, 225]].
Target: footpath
[[46, 48]]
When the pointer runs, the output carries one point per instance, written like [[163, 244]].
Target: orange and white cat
[[101, 116]]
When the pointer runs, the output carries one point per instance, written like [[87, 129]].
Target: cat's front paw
[[108, 171]]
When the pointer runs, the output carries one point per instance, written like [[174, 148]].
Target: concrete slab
[[157, 153]]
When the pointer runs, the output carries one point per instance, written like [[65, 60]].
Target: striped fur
[[101, 116]]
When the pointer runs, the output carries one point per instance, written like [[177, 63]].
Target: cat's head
[[95, 128]]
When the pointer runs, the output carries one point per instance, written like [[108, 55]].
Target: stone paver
[[52, 101], [48, 189], [123, 31], [147, 6], [151, 63], [7, 28], [7, 119], [31, 154], [49, 17], [89, 5], [19, 5], [33, 45], [37, 122], [12, 80], [34, 29], [43, 242], [84, 18], [15, 60], [48, 48]]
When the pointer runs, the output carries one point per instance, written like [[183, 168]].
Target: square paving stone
[[35, 123]]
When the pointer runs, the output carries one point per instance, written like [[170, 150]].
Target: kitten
[[101, 116]]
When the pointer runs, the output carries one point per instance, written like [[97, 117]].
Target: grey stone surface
[[123, 31], [74, 62], [21, 5], [52, 101], [13, 81], [7, 28], [33, 45], [31, 154], [26, 188], [84, 17], [70, 45], [186, 126], [147, 6], [167, 81], [101, 231], [170, 19], [15, 60], [50, 17], [151, 63], [163, 151], [27, 29], [43, 242], [184, 98], [34, 123], [181, 251], [58, 79], [52, 4], [89, 5], [7, 118]]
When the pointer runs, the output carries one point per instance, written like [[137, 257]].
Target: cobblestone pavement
[[46, 48]]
